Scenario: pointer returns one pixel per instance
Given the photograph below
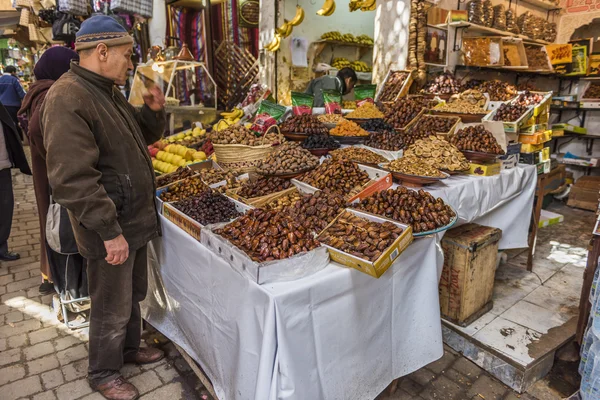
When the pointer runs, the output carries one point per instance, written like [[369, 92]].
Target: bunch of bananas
[[347, 38], [362, 5], [327, 9], [360, 66], [364, 39], [285, 30], [229, 118], [339, 63]]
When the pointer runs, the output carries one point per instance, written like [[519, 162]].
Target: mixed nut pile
[[184, 189], [360, 237], [416, 208], [438, 153], [340, 175], [358, 155], [179, 174], [320, 142], [308, 124], [238, 134], [366, 111], [262, 187], [331, 118], [476, 138], [288, 158], [509, 112], [208, 208], [393, 86], [385, 140]]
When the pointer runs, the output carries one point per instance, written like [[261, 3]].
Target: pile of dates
[[320, 142], [184, 189], [385, 140], [208, 208], [402, 112], [509, 112], [416, 208], [527, 99], [238, 134], [179, 174], [358, 155], [476, 138], [393, 86], [471, 84], [376, 125], [339, 175], [283, 201], [443, 84], [267, 235], [592, 92], [317, 210], [262, 187], [210, 176], [288, 158], [436, 124], [360, 237], [308, 124], [498, 90]]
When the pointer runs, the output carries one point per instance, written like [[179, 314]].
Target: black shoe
[[46, 288], [9, 256]]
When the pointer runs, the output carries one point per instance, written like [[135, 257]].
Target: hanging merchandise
[[140, 7], [73, 7], [65, 28], [248, 12], [25, 18]]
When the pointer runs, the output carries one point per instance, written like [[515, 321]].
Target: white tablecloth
[[338, 334]]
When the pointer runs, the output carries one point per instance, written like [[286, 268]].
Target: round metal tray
[[295, 136], [441, 229], [480, 157], [415, 180], [350, 139], [287, 175], [319, 152]]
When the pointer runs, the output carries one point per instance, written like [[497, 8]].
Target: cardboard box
[[584, 193], [531, 158], [533, 129], [485, 169], [548, 218], [567, 128], [530, 148], [546, 154], [555, 179], [543, 167], [510, 161], [536, 138], [584, 162], [377, 268]]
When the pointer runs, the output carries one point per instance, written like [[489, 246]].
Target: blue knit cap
[[101, 29]]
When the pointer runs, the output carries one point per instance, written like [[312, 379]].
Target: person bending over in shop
[[343, 82], [99, 169]]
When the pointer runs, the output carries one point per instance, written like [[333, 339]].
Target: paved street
[[41, 359]]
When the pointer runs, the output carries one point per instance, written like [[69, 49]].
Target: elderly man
[[100, 171]]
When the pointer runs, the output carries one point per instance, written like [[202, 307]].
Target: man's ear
[[102, 50]]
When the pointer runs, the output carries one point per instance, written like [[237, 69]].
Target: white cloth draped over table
[[338, 334]]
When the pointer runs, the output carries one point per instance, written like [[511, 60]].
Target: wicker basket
[[242, 157]]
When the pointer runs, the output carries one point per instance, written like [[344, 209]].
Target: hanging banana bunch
[[327, 9], [299, 17], [421, 43], [362, 5], [285, 30]]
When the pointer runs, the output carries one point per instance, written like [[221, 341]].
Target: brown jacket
[[98, 164]]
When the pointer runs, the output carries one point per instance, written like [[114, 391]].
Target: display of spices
[[331, 118], [262, 187], [438, 153], [592, 92], [267, 235], [367, 110], [338, 175], [359, 236], [416, 208], [238, 134], [308, 124], [410, 166], [183, 189], [208, 208], [402, 112], [179, 174], [537, 58], [284, 201], [443, 84], [385, 140], [393, 86], [320, 142], [509, 112], [357, 154], [317, 209], [348, 128], [476, 138], [376, 125], [527, 99], [288, 158], [498, 90]]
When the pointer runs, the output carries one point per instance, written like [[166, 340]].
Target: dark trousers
[[14, 115], [7, 203], [115, 321]]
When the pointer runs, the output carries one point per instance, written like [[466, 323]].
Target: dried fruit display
[[359, 236], [438, 153], [317, 210], [267, 235], [536, 57], [476, 138], [320, 142], [409, 166], [284, 201], [348, 128], [339, 175], [393, 85], [468, 102], [376, 125], [443, 84], [527, 99], [308, 124], [592, 92], [211, 176], [238, 134], [262, 187], [331, 118], [288, 158], [357, 154], [416, 208], [366, 111], [208, 208], [436, 124], [349, 105], [402, 112], [385, 140], [180, 173], [184, 189], [509, 112], [498, 90]]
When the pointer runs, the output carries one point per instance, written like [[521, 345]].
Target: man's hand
[[154, 98], [117, 249]]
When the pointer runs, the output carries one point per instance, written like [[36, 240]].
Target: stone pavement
[[41, 359]]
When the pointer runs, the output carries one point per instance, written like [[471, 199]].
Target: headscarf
[[54, 63]]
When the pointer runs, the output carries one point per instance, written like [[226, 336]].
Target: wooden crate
[[467, 280]]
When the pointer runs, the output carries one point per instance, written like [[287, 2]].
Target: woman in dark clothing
[[51, 66]]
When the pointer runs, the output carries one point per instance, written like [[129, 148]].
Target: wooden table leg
[[537, 209], [394, 386]]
